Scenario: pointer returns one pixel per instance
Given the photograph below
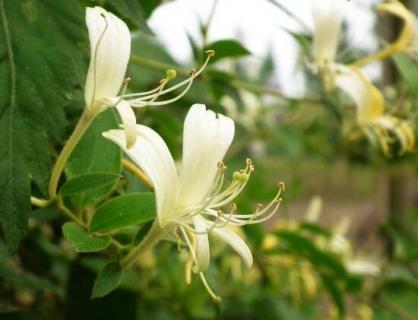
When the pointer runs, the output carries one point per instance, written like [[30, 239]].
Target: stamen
[[215, 298], [171, 75]]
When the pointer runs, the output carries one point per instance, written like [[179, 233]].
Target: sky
[[259, 25]]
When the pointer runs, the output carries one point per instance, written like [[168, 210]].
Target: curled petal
[[202, 244], [406, 36], [129, 122], [236, 243], [368, 99], [151, 154]]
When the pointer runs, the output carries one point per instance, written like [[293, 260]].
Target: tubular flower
[[110, 46], [328, 18], [384, 130], [192, 199]]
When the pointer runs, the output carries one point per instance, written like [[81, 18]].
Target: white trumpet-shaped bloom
[[381, 128], [327, 17], [110, 47], [191, 199]]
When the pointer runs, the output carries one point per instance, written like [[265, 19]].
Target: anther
[[210, 52], [233, 207], [103, 15], [282, 186], [222, 166], [127, 79], [192, 72], [170, 74]]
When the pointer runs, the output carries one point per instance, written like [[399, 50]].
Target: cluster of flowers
[[190, 200], [379, 127]]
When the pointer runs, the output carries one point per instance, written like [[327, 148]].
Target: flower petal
[[110, 47], [236, 243], [151, 154], [202, 244], [206, 139], [328, 17], [367, 97], [129, 122], [406, 36]]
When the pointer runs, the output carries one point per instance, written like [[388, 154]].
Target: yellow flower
[[383, 130]]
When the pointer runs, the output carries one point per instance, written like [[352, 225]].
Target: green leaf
[[325, 262], [408, 70], [88, 182], [107, 280], [95, 154], [132, 11], [39, 75], [124, 211], [335, 293], [227, 48], [81, 241]]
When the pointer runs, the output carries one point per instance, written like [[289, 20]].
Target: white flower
[[380, 128], [327, 17], [110, 46], [192, 198]]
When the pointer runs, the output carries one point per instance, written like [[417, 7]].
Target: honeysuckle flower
[[382, 129], [327, 17], [191, 200], [110, 46]]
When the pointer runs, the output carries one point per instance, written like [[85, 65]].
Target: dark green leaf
[[335, 293], [107, 280], [88, 182], [227, 48], [149, 6], [124, 211], [95, 154], [132, 11], [81, 241], [314, 229], [39, 75]]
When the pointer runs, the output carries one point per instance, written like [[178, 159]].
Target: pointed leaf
[[227, 49], [34, 92], [107, 280], [88, 182], [81, 241], [124, 211]]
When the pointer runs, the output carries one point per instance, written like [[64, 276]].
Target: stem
[[153, 236], [69, 214], [82, 125], [137, 172]]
